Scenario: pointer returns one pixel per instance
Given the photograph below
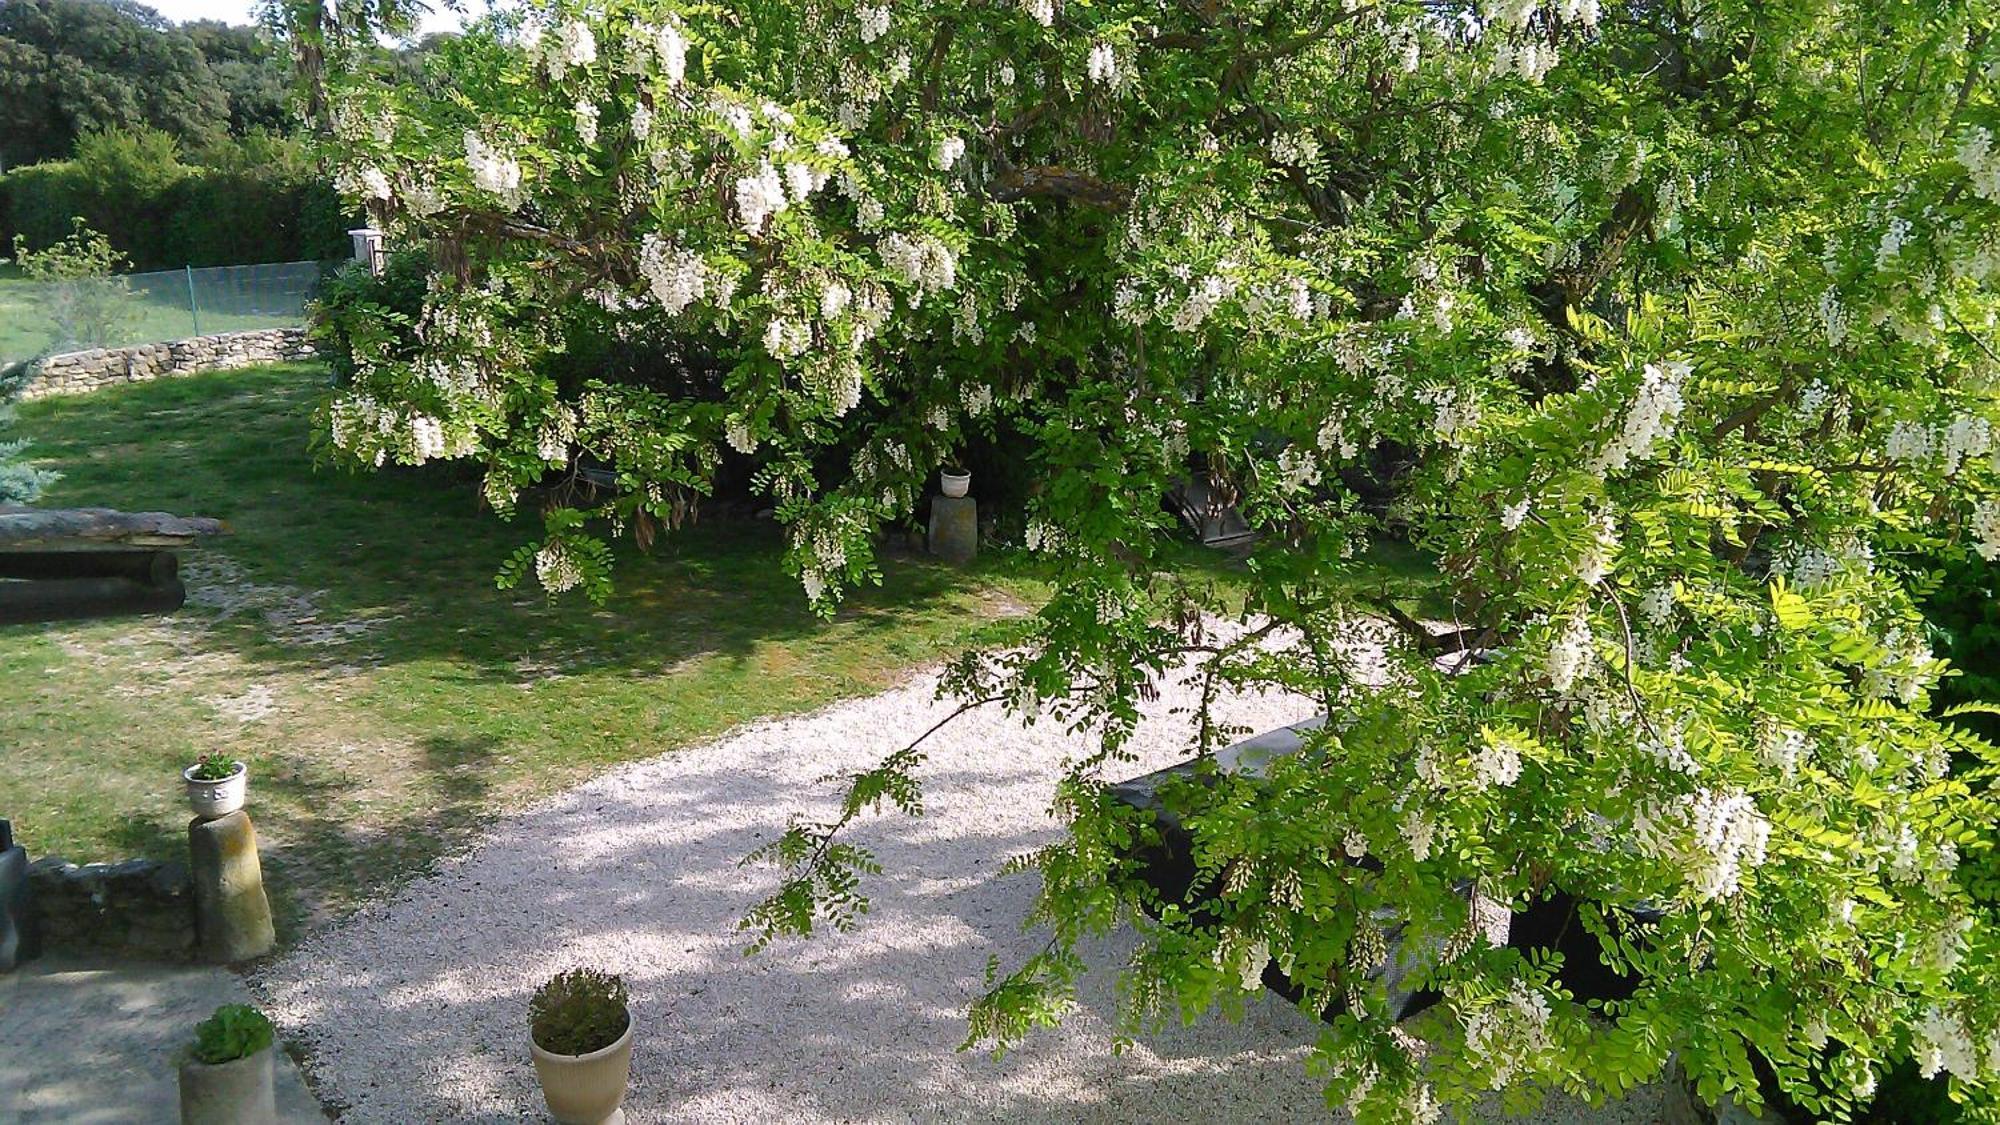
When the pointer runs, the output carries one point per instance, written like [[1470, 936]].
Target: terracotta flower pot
[[211, 799], [231, 1093], [586, 1089]]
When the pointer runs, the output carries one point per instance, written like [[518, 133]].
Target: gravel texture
[[414, 1009]]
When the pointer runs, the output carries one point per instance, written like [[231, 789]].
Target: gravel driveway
[[414, 1010]]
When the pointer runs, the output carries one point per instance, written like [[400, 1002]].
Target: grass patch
[[347, 640]]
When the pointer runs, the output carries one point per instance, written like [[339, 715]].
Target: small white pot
[[955, 484], [586, 1089], [211, 799]]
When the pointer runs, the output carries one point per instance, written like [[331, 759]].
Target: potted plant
[[955, 480], [216, 785], [580, 1030], [226, 1079]]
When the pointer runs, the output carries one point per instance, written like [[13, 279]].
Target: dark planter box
[[1550, 923]]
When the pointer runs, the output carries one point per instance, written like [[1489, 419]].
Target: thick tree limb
[[1054, 182]]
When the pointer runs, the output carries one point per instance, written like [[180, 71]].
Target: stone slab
[[95, 1043]]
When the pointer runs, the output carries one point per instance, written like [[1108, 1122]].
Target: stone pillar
[[232, 916], [954, 531], [17, 916], [369, 249]]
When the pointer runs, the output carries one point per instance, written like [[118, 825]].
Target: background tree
[[73, 66], [1680, 318]]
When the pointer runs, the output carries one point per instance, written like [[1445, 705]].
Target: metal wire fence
[[44, 317]]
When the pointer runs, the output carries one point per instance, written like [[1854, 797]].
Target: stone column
[[231, 913], [954, 530]]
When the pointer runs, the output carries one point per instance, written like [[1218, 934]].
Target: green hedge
[[256, 203]]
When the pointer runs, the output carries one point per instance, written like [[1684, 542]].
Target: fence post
[[194, 309]]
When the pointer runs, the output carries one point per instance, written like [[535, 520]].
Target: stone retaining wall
[[138, 909], [78, 372]]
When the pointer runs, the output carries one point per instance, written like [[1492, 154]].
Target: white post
[[369, 250]]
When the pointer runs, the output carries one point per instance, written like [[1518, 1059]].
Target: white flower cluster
[[1657, 606], [1810, 566], [670, 46], [1596, 560], [1419, 833], [1654, 409], [422, 197], [1943, 1043], [359, 420], [1509, 13], [1202, 300], [1986, 527], [585, 111], [786, 338], [1457, 412], [1894, 238], [1497, 762], [1584, 12], [737, 432], [759, 197], [1717, 837], [1530, 59], [556, 569], [367, 182], [676, 276], [1834, 317], [1509, 1035], [1041, 11], [922, 261], [1783, 747], [1103, 68], [874, 21], [553, 439], [1908, 669], [1982, 163], [947, 153], [493, 171], [1569, 653], [573, 45]]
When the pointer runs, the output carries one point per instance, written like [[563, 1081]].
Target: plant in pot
[[216, 785], [226, 1079], [955, 479], [581, 1033]]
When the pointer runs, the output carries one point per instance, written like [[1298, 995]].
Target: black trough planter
[[1551, 922]]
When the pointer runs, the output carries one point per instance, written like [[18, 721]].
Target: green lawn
[[158, 309], [348, 641]]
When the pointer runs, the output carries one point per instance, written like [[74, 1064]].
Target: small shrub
[[359, 316], [20, 482], [577, 1012], [235, 1031], [85, 299], [213, 766]]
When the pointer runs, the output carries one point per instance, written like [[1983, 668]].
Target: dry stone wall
[[80, 372], [138, 909]]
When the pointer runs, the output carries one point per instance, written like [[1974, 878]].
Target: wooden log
[[75, 599], [152, 568]]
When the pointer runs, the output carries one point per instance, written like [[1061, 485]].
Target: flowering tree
[[1681, 315]]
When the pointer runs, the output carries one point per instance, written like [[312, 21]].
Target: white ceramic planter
[[231, 1093], [586, 1089], [211, 799], [955, 484]]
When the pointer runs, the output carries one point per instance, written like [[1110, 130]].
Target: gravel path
[[413, 1010]]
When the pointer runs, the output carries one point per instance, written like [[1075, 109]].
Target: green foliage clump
[[84, 298], [235, 1031], [213, 766], [579, 1011], [257, 198], [20, 483], [360, 317]]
